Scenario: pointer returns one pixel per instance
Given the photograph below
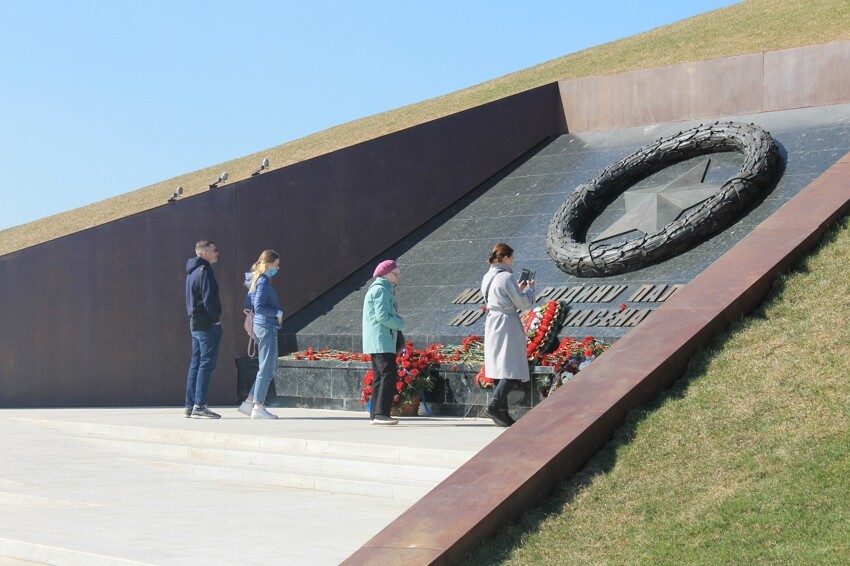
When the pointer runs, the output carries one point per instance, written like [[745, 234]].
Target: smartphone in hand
[[524, 275]]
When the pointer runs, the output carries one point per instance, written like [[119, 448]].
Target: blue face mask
[[271, 272]]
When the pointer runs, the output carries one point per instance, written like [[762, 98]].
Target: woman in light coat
[[381, 325], [504, 339]]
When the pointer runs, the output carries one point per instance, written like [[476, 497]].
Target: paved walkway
[[147, 486]]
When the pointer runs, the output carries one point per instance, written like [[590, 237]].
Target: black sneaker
[[384, 420], [506, 416], [500, 417], [187, 412], [204, 412]]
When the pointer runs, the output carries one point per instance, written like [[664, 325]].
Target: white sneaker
[[245, 408], [261, 413], [384, 420]]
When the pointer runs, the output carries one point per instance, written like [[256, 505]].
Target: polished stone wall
[[447, 256]]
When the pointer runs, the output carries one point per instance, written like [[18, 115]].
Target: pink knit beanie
[[384, 268]]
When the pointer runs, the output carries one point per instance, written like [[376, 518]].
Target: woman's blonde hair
[[262, 264]]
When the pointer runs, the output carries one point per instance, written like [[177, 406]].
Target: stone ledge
[[332, 384]]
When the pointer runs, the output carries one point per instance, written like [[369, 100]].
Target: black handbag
[[399, 342]]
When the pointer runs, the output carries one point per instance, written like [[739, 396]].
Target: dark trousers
[[501, 390], [385, 371]]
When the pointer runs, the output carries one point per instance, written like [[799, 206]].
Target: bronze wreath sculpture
[[735, 196]]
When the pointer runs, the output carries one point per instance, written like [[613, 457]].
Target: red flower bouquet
[[416, 373], [568, 358]]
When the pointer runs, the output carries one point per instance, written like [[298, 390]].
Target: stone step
[[395, 488], [261, 441], [352, 466]]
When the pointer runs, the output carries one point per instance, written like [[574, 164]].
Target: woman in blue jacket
[[268, 317], [381, 324]]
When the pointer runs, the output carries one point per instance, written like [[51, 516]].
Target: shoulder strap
[[489, 283]]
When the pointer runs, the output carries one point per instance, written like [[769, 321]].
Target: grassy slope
[[751, 26], [745, 460]]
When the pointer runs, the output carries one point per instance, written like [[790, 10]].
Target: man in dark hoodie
[[204, 310]]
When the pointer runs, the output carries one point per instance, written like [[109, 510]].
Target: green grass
[[745, 460], [751, 26]]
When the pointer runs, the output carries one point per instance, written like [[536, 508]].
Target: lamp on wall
[[177, 194], [222, 178], [261, 168]]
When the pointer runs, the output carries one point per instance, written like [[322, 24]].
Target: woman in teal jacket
[[381, 325]]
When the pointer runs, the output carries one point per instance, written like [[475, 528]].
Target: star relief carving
[[650, 210]]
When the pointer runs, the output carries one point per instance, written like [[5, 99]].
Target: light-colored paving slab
[[147, 486]]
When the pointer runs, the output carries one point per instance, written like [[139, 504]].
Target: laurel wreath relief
[[696, 224]]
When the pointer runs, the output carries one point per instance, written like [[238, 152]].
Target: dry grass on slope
[[751, 26]]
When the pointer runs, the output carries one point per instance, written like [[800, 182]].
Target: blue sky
[[100, 98]]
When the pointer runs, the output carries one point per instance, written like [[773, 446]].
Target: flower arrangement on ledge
[[568, 359], [417, 372], [542, 325], [417, 369]]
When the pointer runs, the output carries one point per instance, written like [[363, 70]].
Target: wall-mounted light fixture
[[261, 168], [177, 194], [222, 178]]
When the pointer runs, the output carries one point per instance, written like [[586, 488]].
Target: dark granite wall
[[448, 254]]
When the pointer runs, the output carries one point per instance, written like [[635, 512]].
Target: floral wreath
[[571, 255], [541, 326]]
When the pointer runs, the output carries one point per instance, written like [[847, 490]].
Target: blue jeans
[[204, 358], [266, 339]]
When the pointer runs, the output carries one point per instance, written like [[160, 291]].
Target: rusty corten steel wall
[[814, 75], [97, 318]]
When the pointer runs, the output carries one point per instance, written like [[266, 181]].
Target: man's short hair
[[202, 246]]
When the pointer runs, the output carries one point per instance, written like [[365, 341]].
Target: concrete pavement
[[148, 486]]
